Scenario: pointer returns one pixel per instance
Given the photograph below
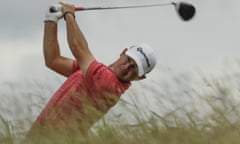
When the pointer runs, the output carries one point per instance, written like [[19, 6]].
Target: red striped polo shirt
[[99, 89]]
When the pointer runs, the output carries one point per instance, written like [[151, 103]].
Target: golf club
[[185, 10]]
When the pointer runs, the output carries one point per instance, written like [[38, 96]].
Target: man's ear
[[140, 78], [123, 52]]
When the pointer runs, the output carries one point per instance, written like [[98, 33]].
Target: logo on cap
[[142, 52]]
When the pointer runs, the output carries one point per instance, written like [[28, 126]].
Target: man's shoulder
[[96, 66], [100, 74]]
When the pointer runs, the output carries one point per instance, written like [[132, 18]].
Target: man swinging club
[[90, 85]]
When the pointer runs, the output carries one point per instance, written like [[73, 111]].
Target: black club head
[[185, 10]]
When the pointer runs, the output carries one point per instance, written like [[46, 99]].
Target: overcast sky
[[205, 42]]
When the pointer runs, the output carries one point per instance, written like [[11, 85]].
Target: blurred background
[[196, 59]]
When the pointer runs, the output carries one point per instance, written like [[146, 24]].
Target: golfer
[[91, 88]]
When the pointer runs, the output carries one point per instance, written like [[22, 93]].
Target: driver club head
[[185, 10]]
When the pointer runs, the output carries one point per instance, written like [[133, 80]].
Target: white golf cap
[[144, 57]]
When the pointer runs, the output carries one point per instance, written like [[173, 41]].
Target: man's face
[[125, 68]]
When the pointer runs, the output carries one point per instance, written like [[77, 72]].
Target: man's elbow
[[49, 64]]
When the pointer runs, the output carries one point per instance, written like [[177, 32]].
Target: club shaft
[[121, 7]]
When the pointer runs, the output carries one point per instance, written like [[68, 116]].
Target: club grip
[[53, 9]]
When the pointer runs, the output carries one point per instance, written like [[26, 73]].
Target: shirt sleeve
[[100, 78], [75, 66], [103, 86]]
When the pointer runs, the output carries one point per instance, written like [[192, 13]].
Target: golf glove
[[54, 13]]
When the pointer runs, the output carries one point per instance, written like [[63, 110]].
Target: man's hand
[[67, 8], [54, 13]]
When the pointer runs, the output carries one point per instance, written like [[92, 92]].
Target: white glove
[[54, 13]]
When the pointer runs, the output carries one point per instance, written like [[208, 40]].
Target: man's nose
[[128, 66]]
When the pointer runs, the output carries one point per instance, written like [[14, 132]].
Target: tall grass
[[219, 123]]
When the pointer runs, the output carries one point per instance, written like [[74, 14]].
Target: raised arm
[[76, 39], [52, 56]]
